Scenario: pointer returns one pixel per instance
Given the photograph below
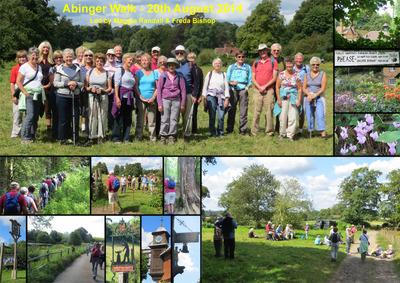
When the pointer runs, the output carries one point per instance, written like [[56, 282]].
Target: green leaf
[[389, 137]]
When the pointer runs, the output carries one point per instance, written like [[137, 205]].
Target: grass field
[[109, 273], [259, 260], [6, 276], [202, 144]]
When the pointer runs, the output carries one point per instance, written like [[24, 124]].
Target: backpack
[[115, 186], [235, 67], [272, 63], [171, 184], [335, 238], [209, 78], [42, 188], [11, 205]]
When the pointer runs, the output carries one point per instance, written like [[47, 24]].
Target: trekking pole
[[73, 117]]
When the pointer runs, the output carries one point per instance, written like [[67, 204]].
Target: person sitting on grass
[[326, 240], [251, 233], [280, 232], [289, 232], [277, 236], [269, 231], [318, 240], [378, 251], [389, 253]]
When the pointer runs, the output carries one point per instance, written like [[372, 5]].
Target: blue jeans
[[310, 114], [30, 124], [348, 241], [65, 116], [95, 263], [124, 120], [213, 108]]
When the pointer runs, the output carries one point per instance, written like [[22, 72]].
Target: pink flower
[[369, 118], [344, 134], [396, 125], [344, 150], [392, 147], [361, 138], [353, 148], [369, 128], [374, 135]]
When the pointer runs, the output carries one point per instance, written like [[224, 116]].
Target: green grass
[[6, 276], [199, 145], [392, 238], [109, 273], [259, 260]]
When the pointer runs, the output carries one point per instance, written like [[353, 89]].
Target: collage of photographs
[[258, 143]]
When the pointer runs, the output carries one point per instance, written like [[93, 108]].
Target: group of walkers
[[277, 233], [24, 201], [97, 256], [114, 184], [104, 90]]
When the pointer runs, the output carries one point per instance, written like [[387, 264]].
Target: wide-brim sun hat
[[172, 60], [180, 48], [263, 46], [156, 48], [110, 51]]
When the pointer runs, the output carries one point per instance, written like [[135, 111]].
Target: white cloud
[[348, 168], [286, 165], [385, 165], [324, 196], [320, 182], [147, 238], [2, 240], [186, 260], [5, 220]]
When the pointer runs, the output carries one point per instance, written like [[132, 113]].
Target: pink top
[[166, 188]]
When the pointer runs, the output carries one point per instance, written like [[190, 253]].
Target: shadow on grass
[[265, 261]]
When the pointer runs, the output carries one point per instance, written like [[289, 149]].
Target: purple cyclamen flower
[[396, 125], [344, 150], [344, 134], [374, 135], [361, 124], [353, 148], [373, 99], [369, 128], [369, 118], [361, 139], [392, 147]]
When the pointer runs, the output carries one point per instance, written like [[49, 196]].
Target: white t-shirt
[[28, 72]]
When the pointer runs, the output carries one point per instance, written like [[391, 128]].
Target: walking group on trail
[[24, 201], [114, 184], [97, 256]]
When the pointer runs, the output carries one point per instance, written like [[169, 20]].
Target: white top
[[28, 72], [218, 81]]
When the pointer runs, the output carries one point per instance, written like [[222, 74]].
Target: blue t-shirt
[[147, 84], [317, 241]]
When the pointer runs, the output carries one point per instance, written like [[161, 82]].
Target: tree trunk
[[188, 191], [3, 177]]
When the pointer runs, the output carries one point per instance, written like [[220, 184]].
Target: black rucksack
[[42, 188], [335, 237]]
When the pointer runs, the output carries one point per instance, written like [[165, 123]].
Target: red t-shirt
[[268, 227], [21, 200], [14, 74], [264, 72], [110, 184], [154, 65]]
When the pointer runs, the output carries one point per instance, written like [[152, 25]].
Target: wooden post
[[61, 253], [1, 259], [14, 272]]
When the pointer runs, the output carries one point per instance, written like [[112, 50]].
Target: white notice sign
[[363, 58]]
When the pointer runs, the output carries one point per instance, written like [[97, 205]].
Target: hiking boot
[[163, 140], [101, 140], [89, 142], [172, 140], [118, 142], [63, 142], [120, 209]]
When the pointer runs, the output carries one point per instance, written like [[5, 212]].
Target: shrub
[[206, 57]]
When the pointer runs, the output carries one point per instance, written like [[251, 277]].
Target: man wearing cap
[[113, 195], [191, 84], [7, 200], [228, 226], [264, 74], [118, 55], [218, 237], [111, 67], [155, 53]]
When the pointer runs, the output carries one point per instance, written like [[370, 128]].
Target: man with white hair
[[118, 55], [192, 86], [13, 203], [113, 187], [276, 49], [302, 70]]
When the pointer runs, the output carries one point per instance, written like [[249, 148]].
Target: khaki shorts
[[113, 197]]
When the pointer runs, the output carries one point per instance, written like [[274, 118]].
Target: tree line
[[75, 238], [132, 169], [28, 22]]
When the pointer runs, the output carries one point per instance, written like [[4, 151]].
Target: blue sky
[[190, 260], [151, 224], [146, 162], [5, 226], [319, 176], [288, 8]]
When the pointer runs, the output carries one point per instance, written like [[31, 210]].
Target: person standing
[[123, 184], [239, 78], [228, 226], [113, 186], [139, 182], [44, 194], [87, 249], [199, 73], [335, 239], [302, 70], [349, 235], [353, 232], [364, 243], [155, 53], [306, 230], [169, 195], [111, 67], [218, 237], [46, 62], [95, 259], [129, 180], [264, 74], [118, 55]]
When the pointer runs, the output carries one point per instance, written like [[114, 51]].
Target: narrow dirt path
[[373, 270], [80, 271]]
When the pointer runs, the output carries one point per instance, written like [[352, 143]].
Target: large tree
[[390, 203], [75, 238], [290, 201], [251, 196], [189, 191], [265, 24], [359, 193]]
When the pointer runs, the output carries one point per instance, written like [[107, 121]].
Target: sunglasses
[[240, 57], [179, 53], [155, 51], [110, 55], [315, 64], [88, 55]]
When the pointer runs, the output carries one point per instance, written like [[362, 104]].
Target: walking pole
[[73, 117], [189, 121]]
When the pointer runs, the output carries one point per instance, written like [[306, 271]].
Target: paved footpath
[[80, 271]]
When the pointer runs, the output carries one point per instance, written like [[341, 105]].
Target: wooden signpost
[[15, 233]]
